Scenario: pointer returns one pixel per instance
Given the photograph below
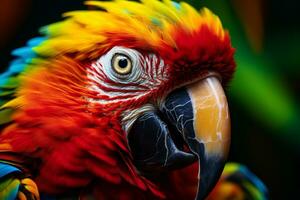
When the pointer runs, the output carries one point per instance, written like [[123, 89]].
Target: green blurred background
[[264, 95]]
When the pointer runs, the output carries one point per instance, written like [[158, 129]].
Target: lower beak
[[195, 117]]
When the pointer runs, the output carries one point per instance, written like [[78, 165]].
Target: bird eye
[[121, 64]]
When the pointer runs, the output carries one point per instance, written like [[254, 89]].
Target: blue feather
[[24, 52], [253, 179], [25, 56], [16, 68], [36, 41], [3, 78], [176, 5], [7, 169]]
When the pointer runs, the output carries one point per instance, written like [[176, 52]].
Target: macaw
[[123, 101]]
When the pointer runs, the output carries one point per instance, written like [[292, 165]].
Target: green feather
[[5, 116], [9, 188], [7, 93], [11, 82]]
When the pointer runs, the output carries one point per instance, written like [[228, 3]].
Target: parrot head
[[121, 94]]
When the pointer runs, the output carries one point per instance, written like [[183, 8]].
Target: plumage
[[51, 123], [238, 182], [9, 189], [10, 184]]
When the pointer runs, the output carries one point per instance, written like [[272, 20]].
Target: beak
[[192, 124]]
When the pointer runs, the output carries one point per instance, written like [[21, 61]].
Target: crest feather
[[152, 22]]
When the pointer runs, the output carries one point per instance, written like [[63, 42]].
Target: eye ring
[[121, 64]]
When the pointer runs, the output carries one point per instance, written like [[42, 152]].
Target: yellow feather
[[150, 21], [31, 187], [14, 103]]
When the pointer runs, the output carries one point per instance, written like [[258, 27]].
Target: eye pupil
[[123, 63]]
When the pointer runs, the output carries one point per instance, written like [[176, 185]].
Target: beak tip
[[211, 169]]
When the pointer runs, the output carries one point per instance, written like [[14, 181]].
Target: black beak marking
[[152, 146], [154, 149]]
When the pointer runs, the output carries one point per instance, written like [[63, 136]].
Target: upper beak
[[195, 116]]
